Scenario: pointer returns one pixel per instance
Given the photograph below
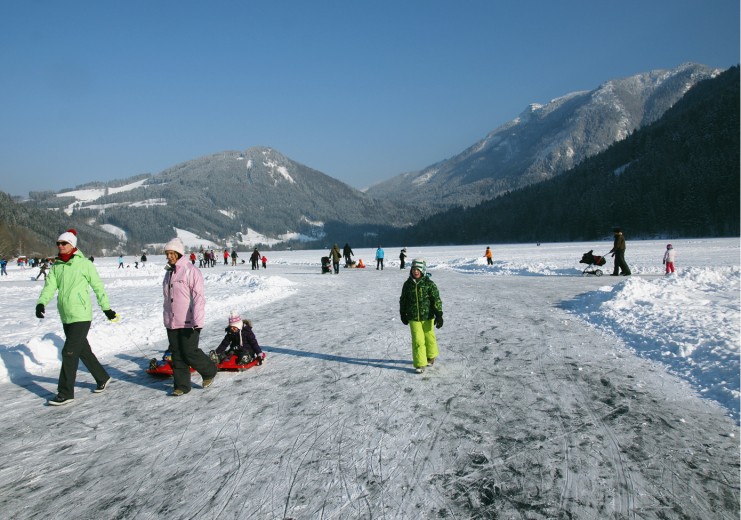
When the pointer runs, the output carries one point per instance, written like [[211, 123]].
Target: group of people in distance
[[347, 253]]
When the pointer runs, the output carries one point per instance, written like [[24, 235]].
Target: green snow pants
[[424, 342]]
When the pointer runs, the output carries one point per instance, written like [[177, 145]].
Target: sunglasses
[[62, 243]]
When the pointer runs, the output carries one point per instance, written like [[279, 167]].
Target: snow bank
[[689, 322]]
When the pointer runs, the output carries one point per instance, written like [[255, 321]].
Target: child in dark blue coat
[[239, 340]]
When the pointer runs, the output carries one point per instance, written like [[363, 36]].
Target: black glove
[[110, 314], [404, 320], [40, 311], [439, 320]]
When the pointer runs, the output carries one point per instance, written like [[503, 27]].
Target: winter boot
[[59, 400], [101, 387]]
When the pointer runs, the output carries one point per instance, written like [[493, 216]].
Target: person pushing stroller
[[239, 340]]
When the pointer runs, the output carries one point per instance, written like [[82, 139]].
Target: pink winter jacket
[[185, 302]]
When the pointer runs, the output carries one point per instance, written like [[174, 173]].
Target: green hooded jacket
[[73, 280], [420, 299]]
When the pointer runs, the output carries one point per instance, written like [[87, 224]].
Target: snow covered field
[[556, 395]]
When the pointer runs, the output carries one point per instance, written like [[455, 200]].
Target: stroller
[[326, 265], [592, 260]]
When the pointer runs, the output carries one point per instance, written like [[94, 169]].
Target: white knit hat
[[175, 245], [69, 236]]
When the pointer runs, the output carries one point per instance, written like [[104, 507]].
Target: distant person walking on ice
[[184, 315], [3, 267], [264, 261], [120, 262], [335, 255], [402, 258], [234, 257], [72, 275], [487, 254], [42, 270], [254, 259], [618, 251], [347, 253], [669, 259], [379, 258], [420, 307]]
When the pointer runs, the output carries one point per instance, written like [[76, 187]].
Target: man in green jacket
[[72, 275]]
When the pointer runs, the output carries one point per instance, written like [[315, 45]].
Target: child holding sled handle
[[239, 339], [420, 307]]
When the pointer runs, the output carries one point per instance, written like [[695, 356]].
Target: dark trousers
[[186, 354], [621, 265], [76, 348]]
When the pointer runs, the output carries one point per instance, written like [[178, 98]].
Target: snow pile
[[689, 322]]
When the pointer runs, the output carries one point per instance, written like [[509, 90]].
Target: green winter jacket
[[420, 300], [73, 280]]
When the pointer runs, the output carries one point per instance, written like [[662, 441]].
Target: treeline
[[678, 177], [28, 231]]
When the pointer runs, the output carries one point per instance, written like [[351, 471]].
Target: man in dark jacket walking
[[618, 251], [347, 253]]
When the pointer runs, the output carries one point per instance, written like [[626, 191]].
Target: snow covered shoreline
[[539, 406]]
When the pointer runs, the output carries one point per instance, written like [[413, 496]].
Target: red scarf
[[66, 258]]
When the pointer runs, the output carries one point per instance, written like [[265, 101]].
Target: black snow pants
[[186, 354], [76, 348], [621, 265]]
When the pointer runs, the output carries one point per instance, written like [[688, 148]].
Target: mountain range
[[545, 140], [242, 198]]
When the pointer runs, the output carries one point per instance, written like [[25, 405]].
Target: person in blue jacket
[[379, 258]]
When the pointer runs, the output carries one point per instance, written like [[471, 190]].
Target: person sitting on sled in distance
[[239, 340]]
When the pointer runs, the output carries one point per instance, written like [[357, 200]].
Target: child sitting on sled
[[166, 359], [239, 340]]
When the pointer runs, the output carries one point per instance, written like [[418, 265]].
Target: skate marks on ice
[[575, 429]]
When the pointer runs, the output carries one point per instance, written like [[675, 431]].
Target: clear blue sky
[[362, 91]]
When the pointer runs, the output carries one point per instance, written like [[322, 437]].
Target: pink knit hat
[[234, 319]]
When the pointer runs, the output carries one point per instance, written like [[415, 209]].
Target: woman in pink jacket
[[184, 316]]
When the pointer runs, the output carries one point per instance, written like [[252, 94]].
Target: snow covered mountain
[[545, 140], [230, 198]]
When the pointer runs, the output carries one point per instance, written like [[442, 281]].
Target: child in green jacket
[[420, 307]]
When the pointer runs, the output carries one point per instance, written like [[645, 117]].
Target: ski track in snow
[[530, 412]]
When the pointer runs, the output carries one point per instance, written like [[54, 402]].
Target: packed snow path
[[529, 413]]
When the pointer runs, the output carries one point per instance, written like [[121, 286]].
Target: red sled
[[161, 368], [231, 364]]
